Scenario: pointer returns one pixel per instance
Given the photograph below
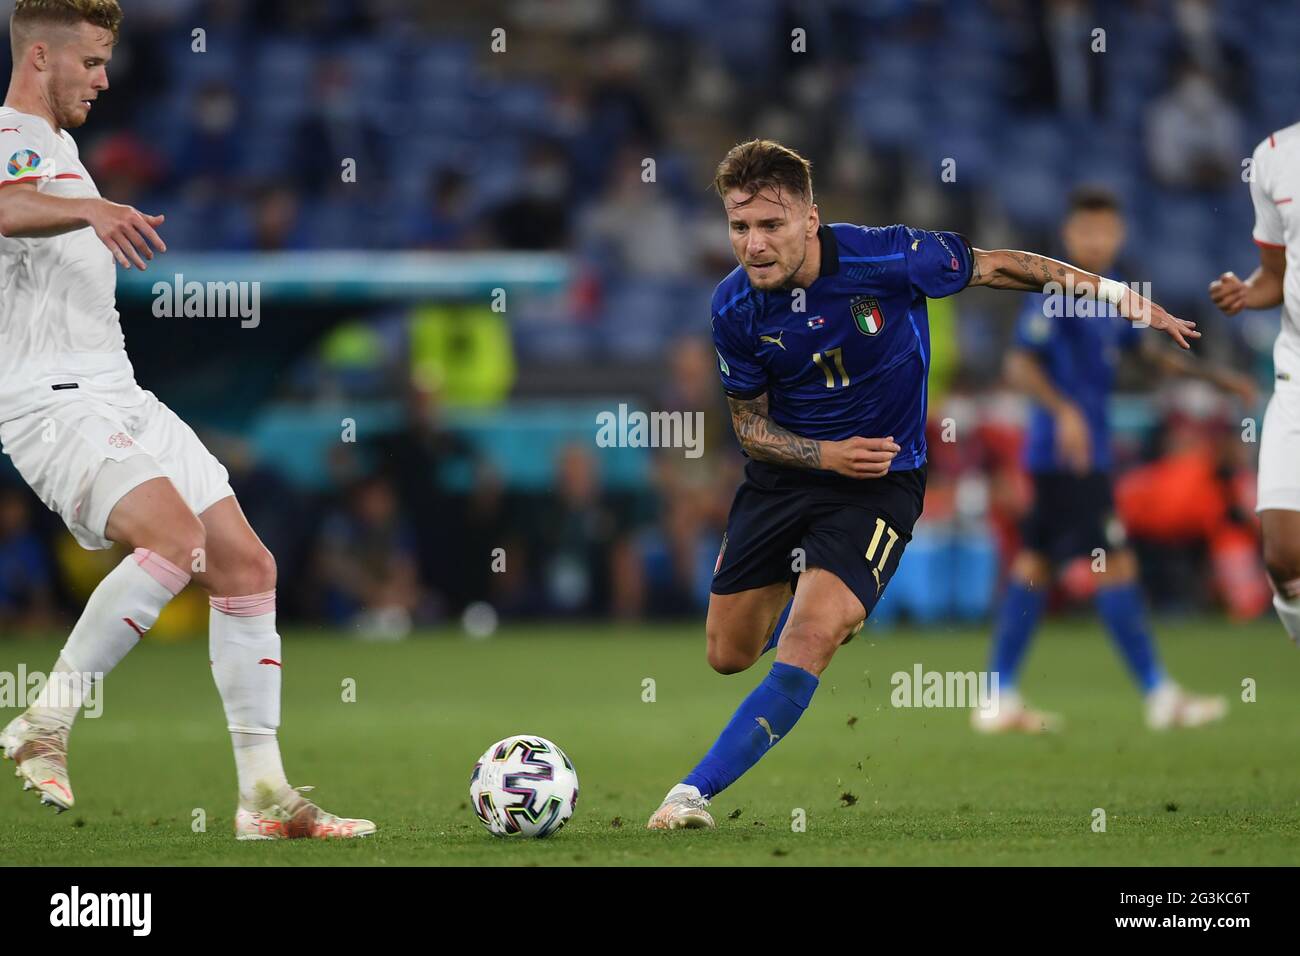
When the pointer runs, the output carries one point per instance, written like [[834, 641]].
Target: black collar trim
[[830, 252]]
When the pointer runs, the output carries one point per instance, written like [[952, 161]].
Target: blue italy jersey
[[848, 355], [1079, 354]]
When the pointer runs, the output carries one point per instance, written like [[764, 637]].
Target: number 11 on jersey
[[836, 356]]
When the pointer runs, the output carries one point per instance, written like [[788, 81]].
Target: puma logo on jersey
[[773, 340], [11, 129], [767, 729]]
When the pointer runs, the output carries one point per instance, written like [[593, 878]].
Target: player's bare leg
[[1282, 559], [244, 647], [162, 532], [737, 628], [1030, 576], [739, 625], [824, 614]]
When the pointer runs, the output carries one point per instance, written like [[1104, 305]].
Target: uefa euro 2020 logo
[[23, 162]]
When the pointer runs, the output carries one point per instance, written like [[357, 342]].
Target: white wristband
[[1108, 290]]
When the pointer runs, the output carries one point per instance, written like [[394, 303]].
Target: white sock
[[1288, 609], [245, 652], [121, 608]]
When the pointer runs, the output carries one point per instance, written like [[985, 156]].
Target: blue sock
[[777, 703], [780, 623], [1121, 609], [1022, 606]]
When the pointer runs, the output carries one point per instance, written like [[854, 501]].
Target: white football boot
[[683, 809], [1012, 716], [1170, 706], [294, 817], [41, 754]]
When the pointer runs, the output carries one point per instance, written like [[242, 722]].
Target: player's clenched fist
[[859, 457], [128, 233], [1228, 293]]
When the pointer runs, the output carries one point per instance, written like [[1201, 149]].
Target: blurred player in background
[[823, 346], [1274, 189], [1066, 364], [109, 458]]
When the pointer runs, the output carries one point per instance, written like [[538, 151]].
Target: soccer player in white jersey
[[1275, 192], [115, 463]]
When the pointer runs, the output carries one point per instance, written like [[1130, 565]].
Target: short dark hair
[[31, 13], [764, 164], [1093, 199]]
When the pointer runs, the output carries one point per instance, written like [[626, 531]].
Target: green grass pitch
[[878, 785]]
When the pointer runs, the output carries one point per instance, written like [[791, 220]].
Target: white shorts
[[62, 448], [1279, 450]]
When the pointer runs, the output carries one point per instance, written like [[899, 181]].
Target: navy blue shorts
[[855, 528], [1073, 515]]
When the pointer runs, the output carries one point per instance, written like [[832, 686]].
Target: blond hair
[[30, 14]]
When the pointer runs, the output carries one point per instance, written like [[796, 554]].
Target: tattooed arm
[[765, 440], [1030, 272]]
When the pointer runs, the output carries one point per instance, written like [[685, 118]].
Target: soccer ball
[[523, 785]]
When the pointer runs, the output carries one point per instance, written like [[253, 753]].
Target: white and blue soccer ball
[[524, 786]]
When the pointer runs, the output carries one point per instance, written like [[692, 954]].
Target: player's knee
[[725, 656], [250, 572], [815, 640], [181, 542], [1030, 569], [1282, 559], [261, 571]]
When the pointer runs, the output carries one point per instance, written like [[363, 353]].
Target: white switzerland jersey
[[58, 315], [1275, 191]]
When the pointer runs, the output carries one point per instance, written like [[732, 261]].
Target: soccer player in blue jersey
[[823, 345], [1066, 365]]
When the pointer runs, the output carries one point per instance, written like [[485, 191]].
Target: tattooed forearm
[[1027, 271], [765, 440]]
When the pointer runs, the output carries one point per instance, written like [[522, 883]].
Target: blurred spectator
[[444, 222], [1194, 133], [415, 460], [26, 570], [634, 228], [676, 555], [367, 564], [125, 167], [576, 544], [207, 162], [537, 214]]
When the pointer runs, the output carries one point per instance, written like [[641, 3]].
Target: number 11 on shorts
[[881, 530]]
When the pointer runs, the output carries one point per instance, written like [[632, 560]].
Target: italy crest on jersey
[[23, 162], [866, 313]]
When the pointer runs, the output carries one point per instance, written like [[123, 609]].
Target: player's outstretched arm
[[128, 233], [765, 440], [1263, 290], [1030, 272]]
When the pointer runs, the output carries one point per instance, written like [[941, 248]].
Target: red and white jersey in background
[[1275, 191]]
